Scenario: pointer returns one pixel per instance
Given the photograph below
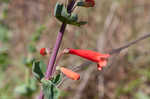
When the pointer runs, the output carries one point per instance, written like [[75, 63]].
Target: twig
[[102, 43], [118, 50], [84, 82], [58, 59], [107, 25], [77, 68]]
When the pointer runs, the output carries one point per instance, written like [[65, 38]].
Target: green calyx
[[70, 18]]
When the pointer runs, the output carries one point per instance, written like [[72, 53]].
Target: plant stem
[[52, 59], [118, 50], [41, 96], [55, 51], [50, 66]]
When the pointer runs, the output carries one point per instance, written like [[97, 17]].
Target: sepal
[[62, 15]]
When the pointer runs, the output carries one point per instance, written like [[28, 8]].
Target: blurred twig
[[83, 83], [107, 26], [129, 44], [102, 44]]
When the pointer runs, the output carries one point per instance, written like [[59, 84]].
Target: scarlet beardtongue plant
[[47, 76]]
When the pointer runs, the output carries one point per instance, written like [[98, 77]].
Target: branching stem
[[52, 59], [118, 50]]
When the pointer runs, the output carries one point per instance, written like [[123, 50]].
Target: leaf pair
[[49, 87], [70, 18]]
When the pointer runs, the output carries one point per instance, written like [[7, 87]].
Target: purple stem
[[51, 63], [55, 51], [70, 6], [41, 96], [53, 56]]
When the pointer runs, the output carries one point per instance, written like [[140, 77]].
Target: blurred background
[[28, 25]]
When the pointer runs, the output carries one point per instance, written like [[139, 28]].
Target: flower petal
[[91, 3], [88, 54], [43, 51], [102, 63], [99, 67]]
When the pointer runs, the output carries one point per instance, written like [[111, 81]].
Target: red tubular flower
[[102, 63], [44, 51], [70, 74], [90, 3], [100, 59]]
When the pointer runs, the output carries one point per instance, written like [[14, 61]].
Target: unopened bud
[[44, 51], [70, 74]]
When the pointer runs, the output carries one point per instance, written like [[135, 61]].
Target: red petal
[[102, 63], [88, 54], [43, 51], [89, 1], [100, 59], [104, 56], [99, 67], [92, 2]]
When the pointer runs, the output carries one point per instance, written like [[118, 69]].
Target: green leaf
[[22, 89], [78, 23], [26, 89], [49, 90], [58, 9], [33, 85], [56, 80], [4, 59], [43, 66], [57, 12], [37, 71], [62, 15], [73, 17]]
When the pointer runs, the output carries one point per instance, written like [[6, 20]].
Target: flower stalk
[[52, 59], [55, 51]]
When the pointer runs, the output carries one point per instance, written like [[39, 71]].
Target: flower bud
[[70, 74], [44, 51]]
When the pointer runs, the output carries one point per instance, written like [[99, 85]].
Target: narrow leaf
[[36, 70], [57, 79]]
